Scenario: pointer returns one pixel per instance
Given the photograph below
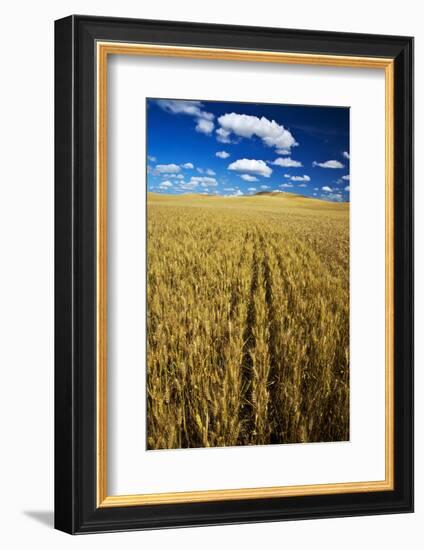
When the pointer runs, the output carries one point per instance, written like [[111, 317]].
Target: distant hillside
[[281, 194], [166, 196], [270, 201], [297, 197]]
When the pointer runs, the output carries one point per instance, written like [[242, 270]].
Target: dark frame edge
[[404, 269], [64, 449]]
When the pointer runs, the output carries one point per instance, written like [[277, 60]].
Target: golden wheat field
[[247, 321]]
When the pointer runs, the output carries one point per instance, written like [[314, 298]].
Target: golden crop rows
[[247, 322]]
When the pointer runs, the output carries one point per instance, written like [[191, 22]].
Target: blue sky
[[237, 149]]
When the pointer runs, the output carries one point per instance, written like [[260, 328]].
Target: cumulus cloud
[[347, 188], [167, 168], [287, 162], [210, 172], [282, 151], [223, 135], [233, 192], [190, 108], [204, 181], [265, 187], [346, 177], [286, 185], [300, 178], [185, 107], [328, 164], [166, 184], [248, 177], [189, 186], [327, 189], [222, 154], [346, 155], [258, 167], [188, 166], [247, 126], [204, 126], [303, 185], [151, 158], [198, 181], [252, 189], [333, 197]]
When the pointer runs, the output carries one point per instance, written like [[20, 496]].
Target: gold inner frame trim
[[104, 49]]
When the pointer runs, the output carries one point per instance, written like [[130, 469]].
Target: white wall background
[[26, 273]]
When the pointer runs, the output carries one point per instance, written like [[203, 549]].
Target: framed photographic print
[[234, 274]]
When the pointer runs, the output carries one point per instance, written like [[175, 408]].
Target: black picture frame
[[76, 510]]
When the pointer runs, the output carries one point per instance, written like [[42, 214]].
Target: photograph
[[247, 273]]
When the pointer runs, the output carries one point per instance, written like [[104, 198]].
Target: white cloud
[[303, 185], [185, 107], [190, 108], [282, 151], [287, 162], [223, 135], [300, 178], [198, 181], [346, 155], [204, 181], [210, 172], [180, 177], [247, 126], [333, 197], [346, 177], [151, 158], [237, 193], [329, 164], [347, 188], [258, 167], [204, 126], [248, 177], [229, 189], [265, 187], [286, 185], [287, 176], [188, 165], [252, 189], [222, 154], [200, 170], [189, 186], [166, 184], [167, 168], [326, 189]]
